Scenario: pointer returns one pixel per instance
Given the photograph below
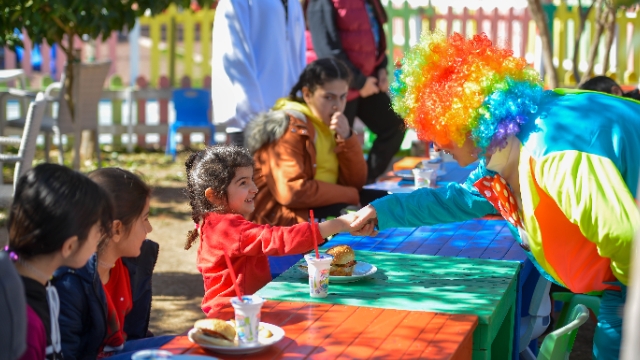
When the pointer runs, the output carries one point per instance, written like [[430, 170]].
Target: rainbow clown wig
[[450, 87]]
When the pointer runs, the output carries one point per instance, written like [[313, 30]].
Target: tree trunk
[[610, 27], [68, 80], [576, 45], [87, 145], [88, 138], [602, 12], [540, 18]]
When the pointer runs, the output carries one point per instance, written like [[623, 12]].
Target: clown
[[560, 166]]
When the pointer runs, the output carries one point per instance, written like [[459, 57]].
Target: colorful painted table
[[481, 287], [326, 331], [477, 239]]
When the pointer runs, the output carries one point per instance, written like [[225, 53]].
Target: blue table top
[[480, 238]]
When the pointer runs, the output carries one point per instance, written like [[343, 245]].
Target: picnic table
[[475, 239], [482, 287], [328, 331]]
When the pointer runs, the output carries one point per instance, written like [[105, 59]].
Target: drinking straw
[[233, 276], [313, 231]]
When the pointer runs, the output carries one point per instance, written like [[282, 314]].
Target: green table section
[[486, 288]]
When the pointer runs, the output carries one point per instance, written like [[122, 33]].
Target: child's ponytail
[[192, 235]]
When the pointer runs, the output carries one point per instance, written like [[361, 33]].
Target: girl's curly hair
[[213, 167]]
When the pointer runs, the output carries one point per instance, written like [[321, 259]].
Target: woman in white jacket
[[258, 53]]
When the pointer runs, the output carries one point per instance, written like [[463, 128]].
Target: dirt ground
[[177, 284]]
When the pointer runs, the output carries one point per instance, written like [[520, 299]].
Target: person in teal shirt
[[560, 166]]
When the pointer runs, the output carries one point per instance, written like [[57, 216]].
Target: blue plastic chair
[[192, 111]]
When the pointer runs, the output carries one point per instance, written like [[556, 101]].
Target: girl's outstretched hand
[[336, 225], [365, 222]]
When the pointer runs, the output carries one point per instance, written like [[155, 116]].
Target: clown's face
[[464, 155]]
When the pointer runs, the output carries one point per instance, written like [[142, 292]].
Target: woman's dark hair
[[213, 167], [318, 73], [51, 204], [128, 193], [600, 84]]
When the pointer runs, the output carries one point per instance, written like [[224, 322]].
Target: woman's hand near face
[[370, 87], [383, 80], [340, 125]]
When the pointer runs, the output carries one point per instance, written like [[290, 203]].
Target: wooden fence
[[137, 123], [180, 48], [179, 42]]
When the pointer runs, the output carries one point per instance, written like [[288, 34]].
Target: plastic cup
[[247, 317], [151, 355], [318, 274], [424, 177], [433, 154]]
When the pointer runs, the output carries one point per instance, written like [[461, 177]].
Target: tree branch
[[64, 27], [576, 45], [540, 18]]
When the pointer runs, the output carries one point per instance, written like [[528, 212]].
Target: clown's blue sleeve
[[427, 206]]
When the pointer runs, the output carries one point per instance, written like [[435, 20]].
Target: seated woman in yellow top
[[306, 155]]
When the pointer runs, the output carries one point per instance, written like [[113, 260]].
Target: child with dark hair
[[602, 84], [607, 85], [305, 152], [221, 194], [111, 317], [56, 219]]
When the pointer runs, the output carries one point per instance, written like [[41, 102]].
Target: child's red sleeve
[[277, 240]]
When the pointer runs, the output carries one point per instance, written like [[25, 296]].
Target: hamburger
[[344, 260], [214, 332]]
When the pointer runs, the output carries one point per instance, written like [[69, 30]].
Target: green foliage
[[50, 20]]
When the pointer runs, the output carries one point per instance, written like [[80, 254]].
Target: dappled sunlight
[[415, 282], [173, 315]]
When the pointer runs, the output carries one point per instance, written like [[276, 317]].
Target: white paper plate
[[360, 271], [278, 334]]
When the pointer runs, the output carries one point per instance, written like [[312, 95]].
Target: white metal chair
[[27, 147], [556, 345], [88, 83]]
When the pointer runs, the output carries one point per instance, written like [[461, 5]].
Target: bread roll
[[214, 332], [344, 260]]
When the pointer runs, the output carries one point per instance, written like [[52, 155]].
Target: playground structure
[[176, 46]]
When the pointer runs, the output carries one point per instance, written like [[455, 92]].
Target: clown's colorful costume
[[576, 156]]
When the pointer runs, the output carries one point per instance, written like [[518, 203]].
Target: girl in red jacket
[[221, 192]]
